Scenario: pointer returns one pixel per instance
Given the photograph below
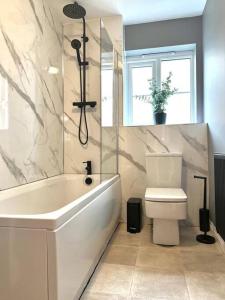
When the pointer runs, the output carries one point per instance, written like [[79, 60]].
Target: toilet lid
[[165, 195]]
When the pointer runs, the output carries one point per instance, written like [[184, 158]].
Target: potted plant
[[159, 98]]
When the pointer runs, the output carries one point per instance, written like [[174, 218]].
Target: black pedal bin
[[134, 215]]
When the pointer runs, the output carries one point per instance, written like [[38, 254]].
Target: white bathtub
[[52, 234]]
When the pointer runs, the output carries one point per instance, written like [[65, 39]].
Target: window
[[139, 70], [139, 108]]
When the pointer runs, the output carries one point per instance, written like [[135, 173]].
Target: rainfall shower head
[[74, 11]]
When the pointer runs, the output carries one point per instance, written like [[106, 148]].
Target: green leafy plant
[[160, 95]]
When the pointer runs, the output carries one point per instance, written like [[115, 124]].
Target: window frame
[[155, 61]]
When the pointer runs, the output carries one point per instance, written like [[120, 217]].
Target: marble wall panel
[[74, 152], [31, 97], [109, 161], [190, 140], [114, 26]]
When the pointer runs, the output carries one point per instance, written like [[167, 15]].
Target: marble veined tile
[[132, 149], [190, 140], [31, 135], [75, 153]]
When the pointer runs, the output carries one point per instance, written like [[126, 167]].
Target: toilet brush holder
[[204, 218]]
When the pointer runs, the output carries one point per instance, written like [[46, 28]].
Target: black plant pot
[[160, 118]]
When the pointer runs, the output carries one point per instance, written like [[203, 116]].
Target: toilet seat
[[168, 195], [166, 203]]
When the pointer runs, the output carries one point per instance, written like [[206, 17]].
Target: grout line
[[188, 290], [184, 274], [132, 281], [135, 265]]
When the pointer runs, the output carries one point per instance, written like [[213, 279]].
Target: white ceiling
[[138, 11]]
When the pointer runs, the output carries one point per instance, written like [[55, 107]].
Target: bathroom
[[102, 196]]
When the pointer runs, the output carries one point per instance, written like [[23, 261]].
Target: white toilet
[[165, 201]]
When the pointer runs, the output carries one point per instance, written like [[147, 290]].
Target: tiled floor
[[133, 268]]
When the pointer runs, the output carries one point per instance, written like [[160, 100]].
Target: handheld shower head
[[74, 11], [76, 44]]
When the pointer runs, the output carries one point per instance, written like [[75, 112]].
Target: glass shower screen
[[109, 107]]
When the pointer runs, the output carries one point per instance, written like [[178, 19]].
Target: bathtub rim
[[53, 220], [31, 186]]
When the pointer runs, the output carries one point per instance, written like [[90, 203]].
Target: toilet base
[[166, 232]]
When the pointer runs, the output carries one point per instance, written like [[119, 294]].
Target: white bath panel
[[23, 261]]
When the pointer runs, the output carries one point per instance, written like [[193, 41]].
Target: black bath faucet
[[88, 167]]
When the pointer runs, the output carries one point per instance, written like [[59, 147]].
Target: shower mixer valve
[[92, 104], [88, 167]]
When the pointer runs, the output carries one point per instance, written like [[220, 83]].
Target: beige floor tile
[[122, 227], [146, 241], [112, 279], [124, 238], [121, 255], [146, 236], [159, 270], [203, 261], [146, 228], [150, 283], [188, 241], [205, 286], [161, 259]]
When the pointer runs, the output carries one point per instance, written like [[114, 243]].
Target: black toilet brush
[[204, 218]]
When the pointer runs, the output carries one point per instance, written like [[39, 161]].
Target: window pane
[[178, 109], [181, 70], [142, 109]]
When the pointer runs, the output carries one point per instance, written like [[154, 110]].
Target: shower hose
[[83, 115]]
